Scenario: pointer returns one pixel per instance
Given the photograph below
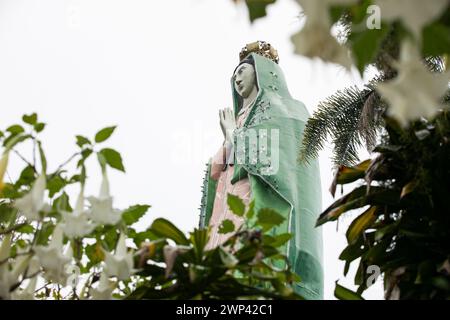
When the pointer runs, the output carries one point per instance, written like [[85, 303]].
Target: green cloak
[[294, 189]]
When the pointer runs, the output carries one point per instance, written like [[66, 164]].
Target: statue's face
[[244, 79]]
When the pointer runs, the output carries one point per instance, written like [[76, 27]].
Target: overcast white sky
[[160, 70]]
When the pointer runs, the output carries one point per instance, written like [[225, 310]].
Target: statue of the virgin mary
[[265, 111]]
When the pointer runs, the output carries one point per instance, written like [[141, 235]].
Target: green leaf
[[104, 134], [62, 203], [257, 8], [134, 213], [269, 218], [6, 212], [365, 45], [251, 210], [166, 229], [113, 158], [345, 294], [55, 185], [81, 141], [28, 229], [15, 129], [44, 234], [39, 126], [361, 223], [26, 177], [436, 40], [15, 139], [30, 119], [350, 174], [354, 199], [111, 237], [236, 205], [95, 253], [227, 226], [281, 239]]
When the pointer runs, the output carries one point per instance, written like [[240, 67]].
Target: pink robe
[[241, 188]]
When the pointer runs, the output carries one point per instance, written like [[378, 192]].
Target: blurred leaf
[[15, 139], [26, 177], [269, 218], [350, 174], [365, 45], [251, 210], [408, 188], [55, 185], [39, 127], [95, 253], [81, 141], [28, 229], [436, 39], [229, 260], [345, 294], [281, 239], [62, 203], [104, 134], [30, 119], [227, 226], [236, 205], [257, 8], [6, 212], [44, 234], [166, 229], [15, 129], [134, 213], [113, 158]]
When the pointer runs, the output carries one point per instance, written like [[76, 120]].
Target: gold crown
[[262, 48]]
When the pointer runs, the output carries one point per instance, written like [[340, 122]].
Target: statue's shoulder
[[290, 108]]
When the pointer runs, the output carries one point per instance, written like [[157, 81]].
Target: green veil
[[293, 189]]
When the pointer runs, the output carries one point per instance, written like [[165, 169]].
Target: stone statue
[[266, 119]]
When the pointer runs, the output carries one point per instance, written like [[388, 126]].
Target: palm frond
[[349, 118]]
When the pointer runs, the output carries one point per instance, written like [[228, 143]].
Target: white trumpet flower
[[104, 289], [33, 203], [315, 39], [77, 224], [102, 206], [415, 92], [27, 293], [119, 264], [414, 14], [52, 258]]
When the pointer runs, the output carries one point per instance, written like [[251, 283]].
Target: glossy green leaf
[[361, 223], [166, 229]]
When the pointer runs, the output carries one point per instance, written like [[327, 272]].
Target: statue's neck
[[251, 97]]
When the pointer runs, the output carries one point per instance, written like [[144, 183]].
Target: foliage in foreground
[[50, 249], [405, 226]]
